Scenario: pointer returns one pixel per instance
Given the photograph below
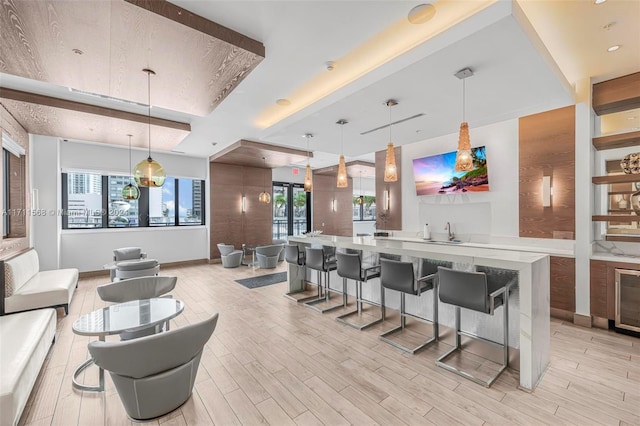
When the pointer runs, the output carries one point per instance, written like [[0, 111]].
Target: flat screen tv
[[436, 174]]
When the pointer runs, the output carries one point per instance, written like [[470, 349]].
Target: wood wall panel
[[394, 221], [563, 283], [619, 94], [228, 183], [339, 222], [547, 148]]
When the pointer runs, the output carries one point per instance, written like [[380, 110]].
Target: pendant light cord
[[464, 100], [149, 104], [130, 159], [389, 105]]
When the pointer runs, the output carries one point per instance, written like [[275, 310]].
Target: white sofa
[[26, 338], [25, 287]]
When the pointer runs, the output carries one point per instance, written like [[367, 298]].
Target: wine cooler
[[628, 300]]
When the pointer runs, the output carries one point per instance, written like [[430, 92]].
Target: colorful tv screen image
[[436, 174]]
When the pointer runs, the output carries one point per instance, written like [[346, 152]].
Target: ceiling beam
[[191, 20], [34, 98]]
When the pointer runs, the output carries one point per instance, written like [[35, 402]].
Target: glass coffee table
[[115, 319]]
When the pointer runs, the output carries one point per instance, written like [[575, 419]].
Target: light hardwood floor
[[271, 361]]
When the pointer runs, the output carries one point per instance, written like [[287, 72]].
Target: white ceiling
[[514, 75]]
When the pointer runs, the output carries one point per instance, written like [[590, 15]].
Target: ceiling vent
[[402, 120]]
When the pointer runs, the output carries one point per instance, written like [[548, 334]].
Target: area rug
[[263, 280]]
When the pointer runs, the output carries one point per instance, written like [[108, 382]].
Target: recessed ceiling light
[[283, 102], [598, 1], [613, 48], [421, 13], [77, 51], [214, 143], [632, 118]]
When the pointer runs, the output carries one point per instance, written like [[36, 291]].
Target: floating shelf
[[622, 140], [622, 218], [621, 192], [626, 238], [615, 179]]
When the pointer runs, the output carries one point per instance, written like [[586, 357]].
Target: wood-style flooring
[[271, 361]]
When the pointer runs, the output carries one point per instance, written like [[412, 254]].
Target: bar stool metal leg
[[358, 311], [311, 304]]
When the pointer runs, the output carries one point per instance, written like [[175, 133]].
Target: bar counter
[[529, 327]]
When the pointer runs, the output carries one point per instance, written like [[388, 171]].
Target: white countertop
[[615, 258], [463, 253]]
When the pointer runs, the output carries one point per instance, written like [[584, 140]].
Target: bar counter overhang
[[529, 328]]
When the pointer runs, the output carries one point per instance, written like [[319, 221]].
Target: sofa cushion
[[46, 288], [19, 270], [26, 338]]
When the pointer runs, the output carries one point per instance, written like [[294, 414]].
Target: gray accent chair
[[480, 292], [231, 258], [154, 375], [137, 289], [132, 262], [281, 243], [399, 276], [268, 255]]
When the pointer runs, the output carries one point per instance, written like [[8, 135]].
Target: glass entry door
[[291, 210]]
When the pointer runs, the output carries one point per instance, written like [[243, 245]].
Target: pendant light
[[149, 172], [264, 196], [464, 160], [390, 170], [343, 181], [130, 191], [308, 180], [360, 199]]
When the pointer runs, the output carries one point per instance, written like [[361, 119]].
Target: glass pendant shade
[[130, 192], [390, 170], [343, 182], [464, 160], [264, 197], [360, 200], [308, 182], [149, 173]]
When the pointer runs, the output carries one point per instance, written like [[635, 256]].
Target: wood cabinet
[[602, 287], [562, 284]]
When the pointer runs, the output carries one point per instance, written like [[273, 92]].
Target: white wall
[[89, 250], [45, 184], [492, 213]]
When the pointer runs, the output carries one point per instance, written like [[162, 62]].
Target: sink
[[453, 242]]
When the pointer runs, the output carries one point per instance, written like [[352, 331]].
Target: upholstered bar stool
[[350, 267], [399, 276], [322, 262], [294, 256], [479, 292]]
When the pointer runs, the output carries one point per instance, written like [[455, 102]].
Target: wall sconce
[[244, 204], [334, 205], [547, 191], [385, 199]]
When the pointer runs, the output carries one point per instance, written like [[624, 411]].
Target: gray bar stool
[[399, 276], [350, 267], [294, 256], [323, 262], [481, 293]]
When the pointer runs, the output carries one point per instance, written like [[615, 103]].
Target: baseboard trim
[[582, 320], [561, 314], [179, 264]]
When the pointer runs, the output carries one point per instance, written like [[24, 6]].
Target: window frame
[[143, 204], [361, 212]]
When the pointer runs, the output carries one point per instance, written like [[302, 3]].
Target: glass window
[[122, 213], [5, 192], [162, 204], [190, 194], [366, 210], [84, 200]]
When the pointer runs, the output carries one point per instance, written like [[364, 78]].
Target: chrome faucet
[[450, 234]]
